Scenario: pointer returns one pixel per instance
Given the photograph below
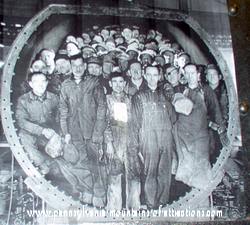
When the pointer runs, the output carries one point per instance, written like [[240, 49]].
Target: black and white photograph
[[119, 111]]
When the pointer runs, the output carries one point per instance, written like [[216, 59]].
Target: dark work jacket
[[35, 113], [221, 93], [130, 88], [84, 104], [105, 84]]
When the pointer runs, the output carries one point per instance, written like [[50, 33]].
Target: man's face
[[160, 61], [38, 83], [152, 76], [119, 40], [172, 76], [86, 38], [142, 38], [80, 42], [70, 38], [135, 71], [117, 84], [127, 34], [48, 57], [146, 59], [94, 69], [87, 53], [169, 57], [141, 46], [63, 66], [107, 67], [39, 66], [132, 54], [105, 34], [151, 34], [181, 61], [78, 68], [123, 64], [213, 76], [158, 37], [136, 33], [192, 75], [110, 45], [72, 49]]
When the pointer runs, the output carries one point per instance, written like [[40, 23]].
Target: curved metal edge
[[193, 198], [36, 180], [63, 200]]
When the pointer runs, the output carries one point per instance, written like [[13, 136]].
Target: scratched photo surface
[[127, 111]]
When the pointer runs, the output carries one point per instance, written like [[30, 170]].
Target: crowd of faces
[[127, 50]]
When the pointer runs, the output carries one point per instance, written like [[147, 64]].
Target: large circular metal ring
[[35, 179]]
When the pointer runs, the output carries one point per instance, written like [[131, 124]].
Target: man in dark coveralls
[[82, 119], [36, 117], [151, 139]]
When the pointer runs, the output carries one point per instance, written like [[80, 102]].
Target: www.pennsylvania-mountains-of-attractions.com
[[138, 214]]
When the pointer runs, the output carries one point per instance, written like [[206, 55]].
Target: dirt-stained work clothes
[[33, 114], [83, 116], [151, 138], [85, 103], [194, 167], [170, 90], [131, 88], [118, 116]]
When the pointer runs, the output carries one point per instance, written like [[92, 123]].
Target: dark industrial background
[[240, 29]]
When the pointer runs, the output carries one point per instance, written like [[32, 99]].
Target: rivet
[[244, 107], [233, 9]]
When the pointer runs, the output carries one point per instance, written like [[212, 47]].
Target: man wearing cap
[[107, 69], [101, 49], [83, 120], [86, 38], [72, 49], [127, 34], [136, 81], [88, 51], [94, 67], [123, 61], [119, 39], [183, 59], [62, 72], [173, 82], [146, 57], [167, 53], [151, 139], [105, 34], [194, 168], [36, 117], [133, 51]]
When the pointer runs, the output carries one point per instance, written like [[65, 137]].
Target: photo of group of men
[[117, 112]]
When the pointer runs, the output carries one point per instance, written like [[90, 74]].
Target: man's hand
[[67, 138], [48, 133], [110, 151]]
